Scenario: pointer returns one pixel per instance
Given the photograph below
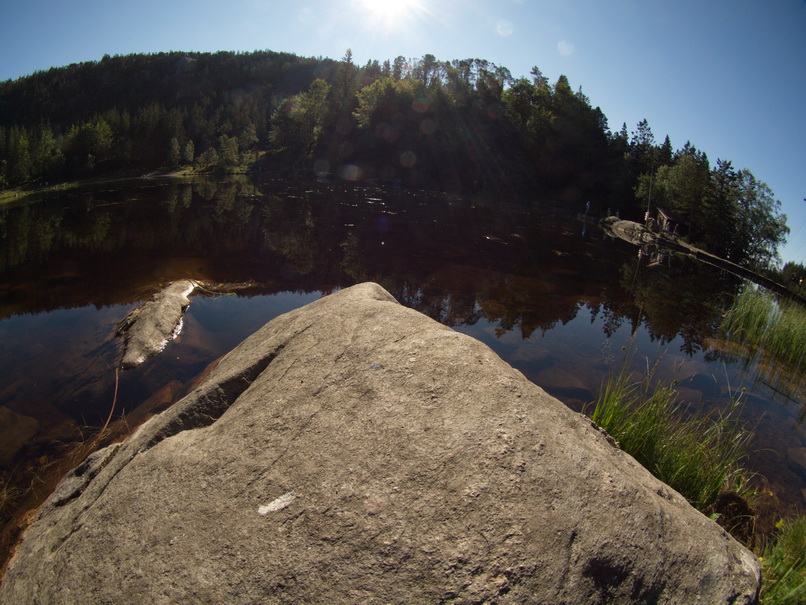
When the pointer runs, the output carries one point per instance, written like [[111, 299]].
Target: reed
[[772, 329], [700, 456]]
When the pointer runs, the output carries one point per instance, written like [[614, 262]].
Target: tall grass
[[784, 565], [699, 456], [773, 330]]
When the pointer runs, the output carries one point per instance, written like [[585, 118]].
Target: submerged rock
[[355, 451], [147, 329], [15, 431]]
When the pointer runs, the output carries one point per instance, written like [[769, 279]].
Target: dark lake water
[[546, 289]]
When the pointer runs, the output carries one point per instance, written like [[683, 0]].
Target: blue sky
[[729, 76]]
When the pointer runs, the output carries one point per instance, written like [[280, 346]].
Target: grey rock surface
[[148, 328], [355, 451]]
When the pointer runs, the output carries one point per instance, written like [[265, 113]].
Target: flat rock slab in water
[[629, 231], [356, 451], [148, 328]]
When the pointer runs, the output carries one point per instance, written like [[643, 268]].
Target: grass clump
[[773, 330], [784, 565], [699, 456], [8, 494]]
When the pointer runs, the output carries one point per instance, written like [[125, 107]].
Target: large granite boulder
[[355, 451]]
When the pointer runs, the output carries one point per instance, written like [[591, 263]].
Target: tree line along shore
[[466, 126]]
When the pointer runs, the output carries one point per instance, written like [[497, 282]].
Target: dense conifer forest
[[465, 126]]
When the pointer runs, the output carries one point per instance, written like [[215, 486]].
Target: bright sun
[[387, 12]]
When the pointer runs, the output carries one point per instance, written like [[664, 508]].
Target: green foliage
[[189, 152], [464, 125], [731, 214], [174, 153], [384, 100], [774, 330], [208, 159], [784, 565], [228, 157], [88, 146], [680, 188], [298, 123], [761, 227], [146, 101], [697, 456], [793, 276]]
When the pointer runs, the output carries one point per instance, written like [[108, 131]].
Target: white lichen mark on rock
[[278, 504]]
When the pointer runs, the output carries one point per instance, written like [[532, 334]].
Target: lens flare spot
[[408, 159], [350, 172], [565, 48], [504, 29], [420, 104]]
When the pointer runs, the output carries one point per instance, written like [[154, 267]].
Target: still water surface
[[547, 290]]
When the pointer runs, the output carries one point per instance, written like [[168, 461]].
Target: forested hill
[[461, 125]]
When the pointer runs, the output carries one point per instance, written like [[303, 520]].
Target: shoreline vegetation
[[22, 192], [465, 126], [762, 327], [698, 456], [770, 329], [701, 457], [783, 561]]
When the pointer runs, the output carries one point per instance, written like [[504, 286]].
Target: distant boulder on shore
[[356, 451]]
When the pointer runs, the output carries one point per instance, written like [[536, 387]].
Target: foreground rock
[[355, 451], [148, 328]]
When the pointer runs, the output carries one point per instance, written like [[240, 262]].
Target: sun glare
[[390, 14]]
